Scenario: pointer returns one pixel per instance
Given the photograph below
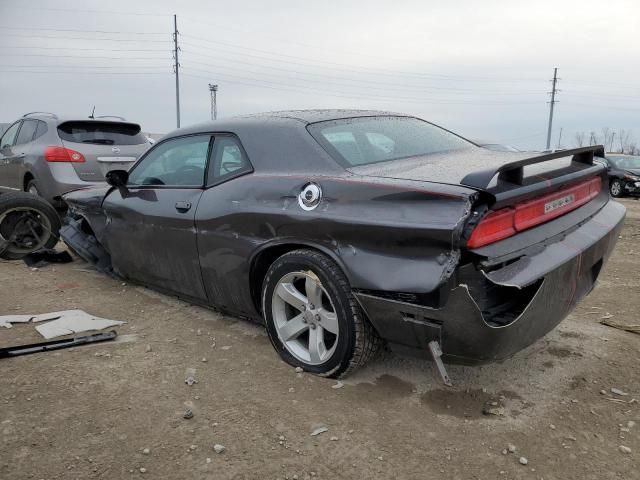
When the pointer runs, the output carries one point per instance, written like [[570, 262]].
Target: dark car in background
[[624, 174], [342, 229], [47, 155]]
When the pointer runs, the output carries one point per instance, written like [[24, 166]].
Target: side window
[[227, 159], [41, 129], [9, 136], [176, 162], [27, 130]]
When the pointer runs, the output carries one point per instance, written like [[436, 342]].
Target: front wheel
[[27, 223], [615, 187], [312, 318]]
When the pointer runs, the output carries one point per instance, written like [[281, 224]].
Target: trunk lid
[[506, 176], [521, 191], [105, 145]]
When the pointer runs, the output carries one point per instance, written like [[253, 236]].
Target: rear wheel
[[615, 187], [27, 223], [312, 318]]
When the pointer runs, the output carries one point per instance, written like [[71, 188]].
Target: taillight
[[504, 223], [61, 154], [495, 226]]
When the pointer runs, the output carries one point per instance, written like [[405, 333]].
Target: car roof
[[294, 118], [58, 120], [279, 141], [323, 115]]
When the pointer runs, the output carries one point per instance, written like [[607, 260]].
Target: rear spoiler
[[514, 172]]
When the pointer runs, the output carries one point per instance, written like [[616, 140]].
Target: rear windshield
[[361, 141], [102, 133], [626, 161]]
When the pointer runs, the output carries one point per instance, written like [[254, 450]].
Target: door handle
[[183, 206]]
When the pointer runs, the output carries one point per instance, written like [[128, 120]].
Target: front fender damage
[[79, 237]]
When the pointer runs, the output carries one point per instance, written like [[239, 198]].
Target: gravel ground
[[116, 410]]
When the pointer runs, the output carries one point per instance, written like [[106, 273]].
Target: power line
[[81, 56], [335, 93], [371, 85], [75, 10], [349, 67], [84, 66], [145, 40], [80, 72], [5, 27], [358, 81], [289, 41], [38, 47]]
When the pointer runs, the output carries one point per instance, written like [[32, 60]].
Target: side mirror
[[117, 178]]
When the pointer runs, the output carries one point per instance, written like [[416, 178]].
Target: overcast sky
[[480, 68]]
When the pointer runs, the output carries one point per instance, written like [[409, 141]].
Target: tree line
[[618, 141]]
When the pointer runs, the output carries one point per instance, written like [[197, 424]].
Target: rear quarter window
[[101, 133], [27, 131]]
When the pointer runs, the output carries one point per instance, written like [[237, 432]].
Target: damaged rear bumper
[[541, 288]]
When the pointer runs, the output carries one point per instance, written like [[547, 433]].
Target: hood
[[633, 171], [449, 167], [84, 193]]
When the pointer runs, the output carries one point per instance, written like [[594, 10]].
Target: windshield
[[365, 140], [625, 162], [102, 133]]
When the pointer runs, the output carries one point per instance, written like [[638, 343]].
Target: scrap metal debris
[[55, 345], [42, 258]]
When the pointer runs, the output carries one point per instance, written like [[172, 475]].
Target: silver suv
[[48, 156]]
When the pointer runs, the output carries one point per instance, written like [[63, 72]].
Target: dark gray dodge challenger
[[344, 230]]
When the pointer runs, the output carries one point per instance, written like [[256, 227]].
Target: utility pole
[[213, 89], [559, 139], [176, 67], [552, 103]]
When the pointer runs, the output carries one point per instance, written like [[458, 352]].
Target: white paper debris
[[7, 320], [72, 321]]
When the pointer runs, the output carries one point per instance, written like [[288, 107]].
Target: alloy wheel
[[305, 318], [616, 188]]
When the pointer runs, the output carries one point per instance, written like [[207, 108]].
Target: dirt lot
[[92, 411]]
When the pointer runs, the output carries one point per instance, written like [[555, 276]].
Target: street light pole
[[213, 89]]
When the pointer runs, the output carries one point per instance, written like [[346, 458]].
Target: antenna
[[92, 113]]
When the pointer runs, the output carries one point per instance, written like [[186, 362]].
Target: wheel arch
[[28, 176], [262, 259]]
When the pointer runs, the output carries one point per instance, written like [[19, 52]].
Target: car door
[[223, 245], [150, 228], [21, 149], [7, 155]]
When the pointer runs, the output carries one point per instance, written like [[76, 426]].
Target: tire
[[32, 187], [349, 340], [44, 219], [615, 188]]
